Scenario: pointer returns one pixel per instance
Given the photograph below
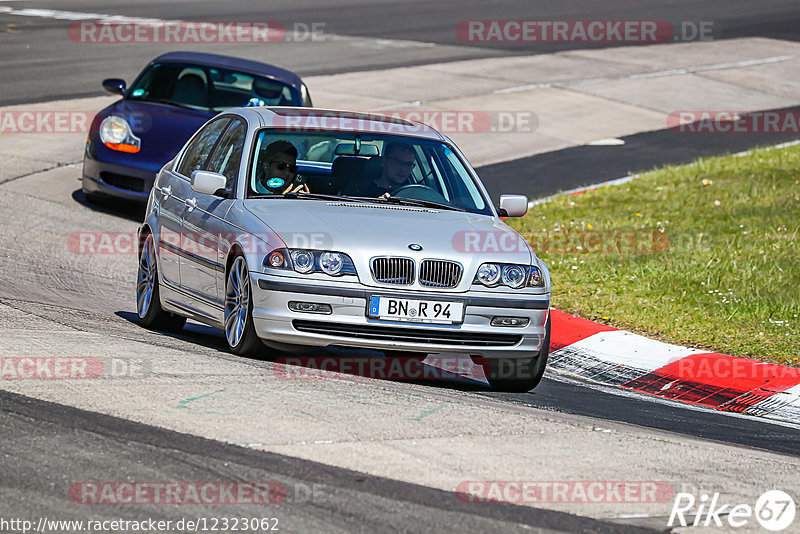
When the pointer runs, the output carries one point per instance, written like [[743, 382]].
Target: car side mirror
[[114, 85], [208, 183], [513, 205]]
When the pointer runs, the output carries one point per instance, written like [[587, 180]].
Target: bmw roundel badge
[[415, 247]]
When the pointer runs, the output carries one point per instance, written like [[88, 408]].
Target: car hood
[[370, 229]]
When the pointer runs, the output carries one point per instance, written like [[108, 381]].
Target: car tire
[[518, 375], [240, 332], [148, 300]]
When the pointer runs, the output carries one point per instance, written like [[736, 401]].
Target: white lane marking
[[656, 74], [616, 181], [357, 42], [607, 141], [626, 179], [73, 15]]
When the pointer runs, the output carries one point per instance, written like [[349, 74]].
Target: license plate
[[415, 311]]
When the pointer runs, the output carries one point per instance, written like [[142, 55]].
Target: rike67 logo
[[774, 510]]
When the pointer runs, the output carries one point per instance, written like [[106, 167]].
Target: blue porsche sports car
[[130, 140]]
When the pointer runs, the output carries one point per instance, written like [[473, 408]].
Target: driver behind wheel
[[396, 165]]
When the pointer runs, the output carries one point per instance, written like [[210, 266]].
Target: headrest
[[190, 89], [267, 89]]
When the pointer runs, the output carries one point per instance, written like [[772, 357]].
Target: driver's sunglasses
[[282, 165]]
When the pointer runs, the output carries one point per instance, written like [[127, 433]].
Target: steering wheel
[[420, 192]]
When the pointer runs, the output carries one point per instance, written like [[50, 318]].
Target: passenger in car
[[397, 162], [278, 160]]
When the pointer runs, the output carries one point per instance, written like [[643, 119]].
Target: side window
[[197, 152], [228, 154]]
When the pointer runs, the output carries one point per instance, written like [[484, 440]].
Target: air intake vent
[[398, 271], [440, 273], [380, 207]]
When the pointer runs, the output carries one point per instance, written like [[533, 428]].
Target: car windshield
[[376, 168], [209, 88]]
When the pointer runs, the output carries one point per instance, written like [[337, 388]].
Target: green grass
[[727, 279]]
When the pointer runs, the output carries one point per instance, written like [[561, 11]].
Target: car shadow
[[200, 334], [133, 211], [340, 363]]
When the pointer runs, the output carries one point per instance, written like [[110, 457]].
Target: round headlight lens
[[513, 276], [303, 261], [114, 130], [536, 280], [276, 259], [489, 274], [331, 262]]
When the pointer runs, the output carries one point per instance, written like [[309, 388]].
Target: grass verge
[[704, 255]]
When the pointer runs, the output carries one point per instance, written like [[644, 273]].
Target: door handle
[[191, 203], [166, 191]]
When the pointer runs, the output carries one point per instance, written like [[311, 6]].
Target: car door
[[173, 194], [169, 193], [202, 271]]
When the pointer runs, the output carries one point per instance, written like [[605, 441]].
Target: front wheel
[[240, 332], [148, 302], [518, 375]]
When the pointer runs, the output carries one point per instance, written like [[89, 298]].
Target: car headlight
[[536, 279], [514, 276], [116, 134], [331, 263], [303, 261], [510, 275], [277, 259], [489, 274], [310, 261]]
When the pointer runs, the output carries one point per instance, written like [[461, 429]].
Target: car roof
[[228, 62], [322, 120]]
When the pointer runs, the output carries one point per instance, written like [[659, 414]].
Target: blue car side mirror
[[114, 85]]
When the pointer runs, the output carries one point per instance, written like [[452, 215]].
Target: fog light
[[310, 307], [510, 321]]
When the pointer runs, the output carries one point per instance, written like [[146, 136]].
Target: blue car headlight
[[116, 134]]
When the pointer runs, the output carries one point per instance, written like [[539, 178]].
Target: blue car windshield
[[209, 88], [383, 168]]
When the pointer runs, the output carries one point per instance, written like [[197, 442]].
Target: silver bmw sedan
[[296, 227]]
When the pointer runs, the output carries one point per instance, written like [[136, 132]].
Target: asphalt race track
[[386, 456]]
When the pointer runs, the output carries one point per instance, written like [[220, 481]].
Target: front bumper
[[109, 178], [349, 326]]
